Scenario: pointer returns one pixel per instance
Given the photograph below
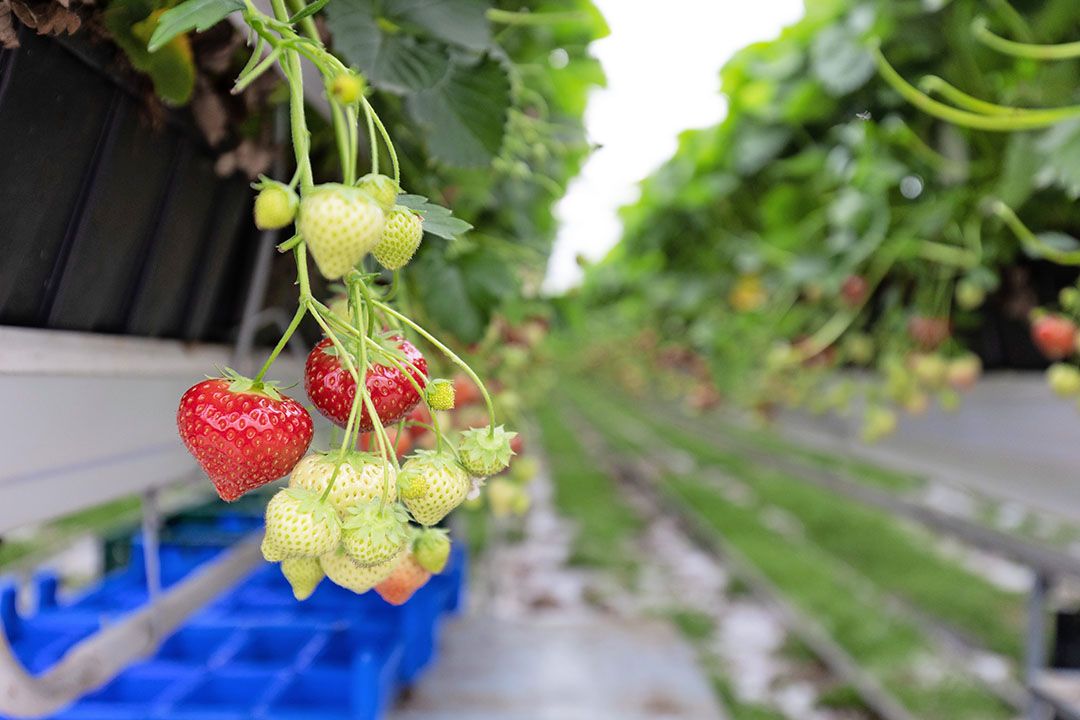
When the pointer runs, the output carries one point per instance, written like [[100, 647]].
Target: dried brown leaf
[[56, 20], [8, 37], [24, 13], [248, 157], [210, 113]]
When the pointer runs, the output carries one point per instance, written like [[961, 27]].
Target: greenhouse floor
[[589, 666]]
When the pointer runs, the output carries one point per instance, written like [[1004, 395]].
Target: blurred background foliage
[[744, 245]]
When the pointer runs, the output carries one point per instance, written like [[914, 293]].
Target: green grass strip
[[583, 492], [892, 554], [853, 612]]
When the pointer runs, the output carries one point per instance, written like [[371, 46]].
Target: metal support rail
[[97, 659], [1050, 691]]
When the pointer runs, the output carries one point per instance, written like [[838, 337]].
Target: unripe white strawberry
[[382, 189], [349, 574], [484, 451], [374, 534], [340, 225], [501, 494], [303, 574], [275, 205], [431, 484], [878, 422], [401, 237], [299, 524], [360, 479]]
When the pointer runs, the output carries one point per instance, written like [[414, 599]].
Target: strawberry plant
[[349, 515], [890, 185]]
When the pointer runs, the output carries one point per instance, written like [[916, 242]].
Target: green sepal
[[311, 502], [486, 452], [240, 384], [379, 524]]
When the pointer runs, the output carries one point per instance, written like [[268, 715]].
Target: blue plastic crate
[[255, 653]]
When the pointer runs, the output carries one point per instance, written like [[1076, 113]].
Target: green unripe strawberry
[[401, 237], [275, 205], [374, 534], [440, 394], [501, 495], [382, 188], [347, 88], [879, 422], [349, 574], [929, 369], [484, 451], [1064, 379], [969, 295], [431, 484], [303, 574], [949, 400], [299, 524], [432, 549], [340, 225]]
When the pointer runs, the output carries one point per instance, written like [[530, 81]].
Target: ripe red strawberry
[[854, 291], [332, 389], [407, 578], [244, 434], [929, 332], [1054, 335]]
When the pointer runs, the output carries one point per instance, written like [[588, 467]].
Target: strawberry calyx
[[240, 384], [310, 502], [485, 451]]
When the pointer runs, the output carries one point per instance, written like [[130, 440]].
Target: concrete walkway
[[583, 667]]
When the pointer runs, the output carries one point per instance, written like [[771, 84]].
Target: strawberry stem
[[453, 358]]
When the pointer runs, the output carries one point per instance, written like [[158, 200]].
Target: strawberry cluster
[[363, 513]]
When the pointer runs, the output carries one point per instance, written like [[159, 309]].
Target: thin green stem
[[1032, 242], [300, 136], [933, 84], [982, 32], [453, 358], [373, 143], [374, 117], [1019, 120], [509, 17], [301, 311]]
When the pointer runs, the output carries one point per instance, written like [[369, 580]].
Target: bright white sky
[[662, 62]]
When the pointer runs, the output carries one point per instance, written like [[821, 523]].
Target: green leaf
[[171, 67], [1060, 147], [444, 294], [437, 220], [456, 22], [401, 45], [465, 113], [840, 61], [391, 61], [308, 11], [191, 15]]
